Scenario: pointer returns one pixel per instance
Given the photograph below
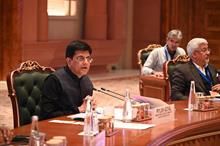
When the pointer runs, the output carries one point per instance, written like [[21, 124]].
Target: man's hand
[[82, 108], [157, 74], [216, 88], [93, 102]]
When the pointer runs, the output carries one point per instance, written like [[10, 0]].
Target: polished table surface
[[123, 136]]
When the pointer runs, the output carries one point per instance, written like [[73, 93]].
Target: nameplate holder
[[163, 113]]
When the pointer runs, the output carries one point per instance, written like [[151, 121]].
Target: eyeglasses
[[83, 59], [204, 50]]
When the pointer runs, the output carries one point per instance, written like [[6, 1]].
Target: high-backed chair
[[148, 85], [24, 89], [145, 52], [169, 68], [160, 87]]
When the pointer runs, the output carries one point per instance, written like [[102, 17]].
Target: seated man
[[154, 63], [64, 90], [197, 69]]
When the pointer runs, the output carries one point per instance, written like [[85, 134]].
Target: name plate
[[163, 113]]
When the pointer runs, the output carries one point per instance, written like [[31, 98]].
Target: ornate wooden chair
[[168, 69], [148, 85], [169, 66], [24, 89], [145, 52], [160, 87]]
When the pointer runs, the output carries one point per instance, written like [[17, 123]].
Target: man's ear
[[68, 60], [194, 54]]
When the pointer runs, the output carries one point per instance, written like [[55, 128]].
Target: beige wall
[[112, 27]]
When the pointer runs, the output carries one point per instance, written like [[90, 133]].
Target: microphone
[[107, 93], [112, 92], [132, 100]]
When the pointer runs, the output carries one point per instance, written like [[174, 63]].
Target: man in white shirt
[[154, 63]]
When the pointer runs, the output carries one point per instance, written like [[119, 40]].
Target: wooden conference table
[[123, 136]]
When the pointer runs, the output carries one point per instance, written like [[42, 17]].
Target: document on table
[[117, 124], [139, 126], [79, 115], [67, 122]]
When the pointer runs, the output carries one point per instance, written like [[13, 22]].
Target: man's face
[[80, 63], [173, 43], [202, 54]]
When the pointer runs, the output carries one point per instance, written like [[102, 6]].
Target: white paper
[[117, 124], [138, 126], [67, 122], [187, 109], [79, 115], [216, 99]]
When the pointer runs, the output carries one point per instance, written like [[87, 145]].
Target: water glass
[[6, 133]]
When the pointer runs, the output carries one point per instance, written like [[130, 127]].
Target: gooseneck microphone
[[112, 92], [132, 100], [107, 94]]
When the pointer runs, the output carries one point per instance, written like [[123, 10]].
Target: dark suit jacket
[[183, 75]]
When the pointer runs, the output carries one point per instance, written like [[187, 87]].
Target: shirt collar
[[67, 69], [202, 69]]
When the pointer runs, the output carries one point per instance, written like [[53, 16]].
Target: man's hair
[[77, 46], [175, 33], [194, 44]]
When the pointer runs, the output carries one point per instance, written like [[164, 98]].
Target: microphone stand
[[112, 92], [132, 100], [107, 94]]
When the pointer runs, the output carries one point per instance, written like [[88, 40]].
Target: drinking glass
[[6, 133]]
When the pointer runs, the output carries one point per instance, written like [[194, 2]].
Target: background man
[[156, 59], [65, 89], [198, 70]]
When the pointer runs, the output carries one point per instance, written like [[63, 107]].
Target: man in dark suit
[[64, 91], [197, 69]]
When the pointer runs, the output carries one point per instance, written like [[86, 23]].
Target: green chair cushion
[[28, 90]]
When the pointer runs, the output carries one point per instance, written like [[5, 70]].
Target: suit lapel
[[213, 74], [197, 77]]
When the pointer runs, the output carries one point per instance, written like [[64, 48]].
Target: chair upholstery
[[169, 66], [145, 52], [168, 69], [24, 89]]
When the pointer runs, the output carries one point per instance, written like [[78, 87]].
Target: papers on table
[[67, 122], [216, 99], [139, 126], [117, 124], [79, 115], [213, 93]]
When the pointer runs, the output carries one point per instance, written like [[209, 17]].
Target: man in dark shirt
[[64, 91]]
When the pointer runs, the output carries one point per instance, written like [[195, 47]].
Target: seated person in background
[[154, 63], [197, 69], [64, 91]]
